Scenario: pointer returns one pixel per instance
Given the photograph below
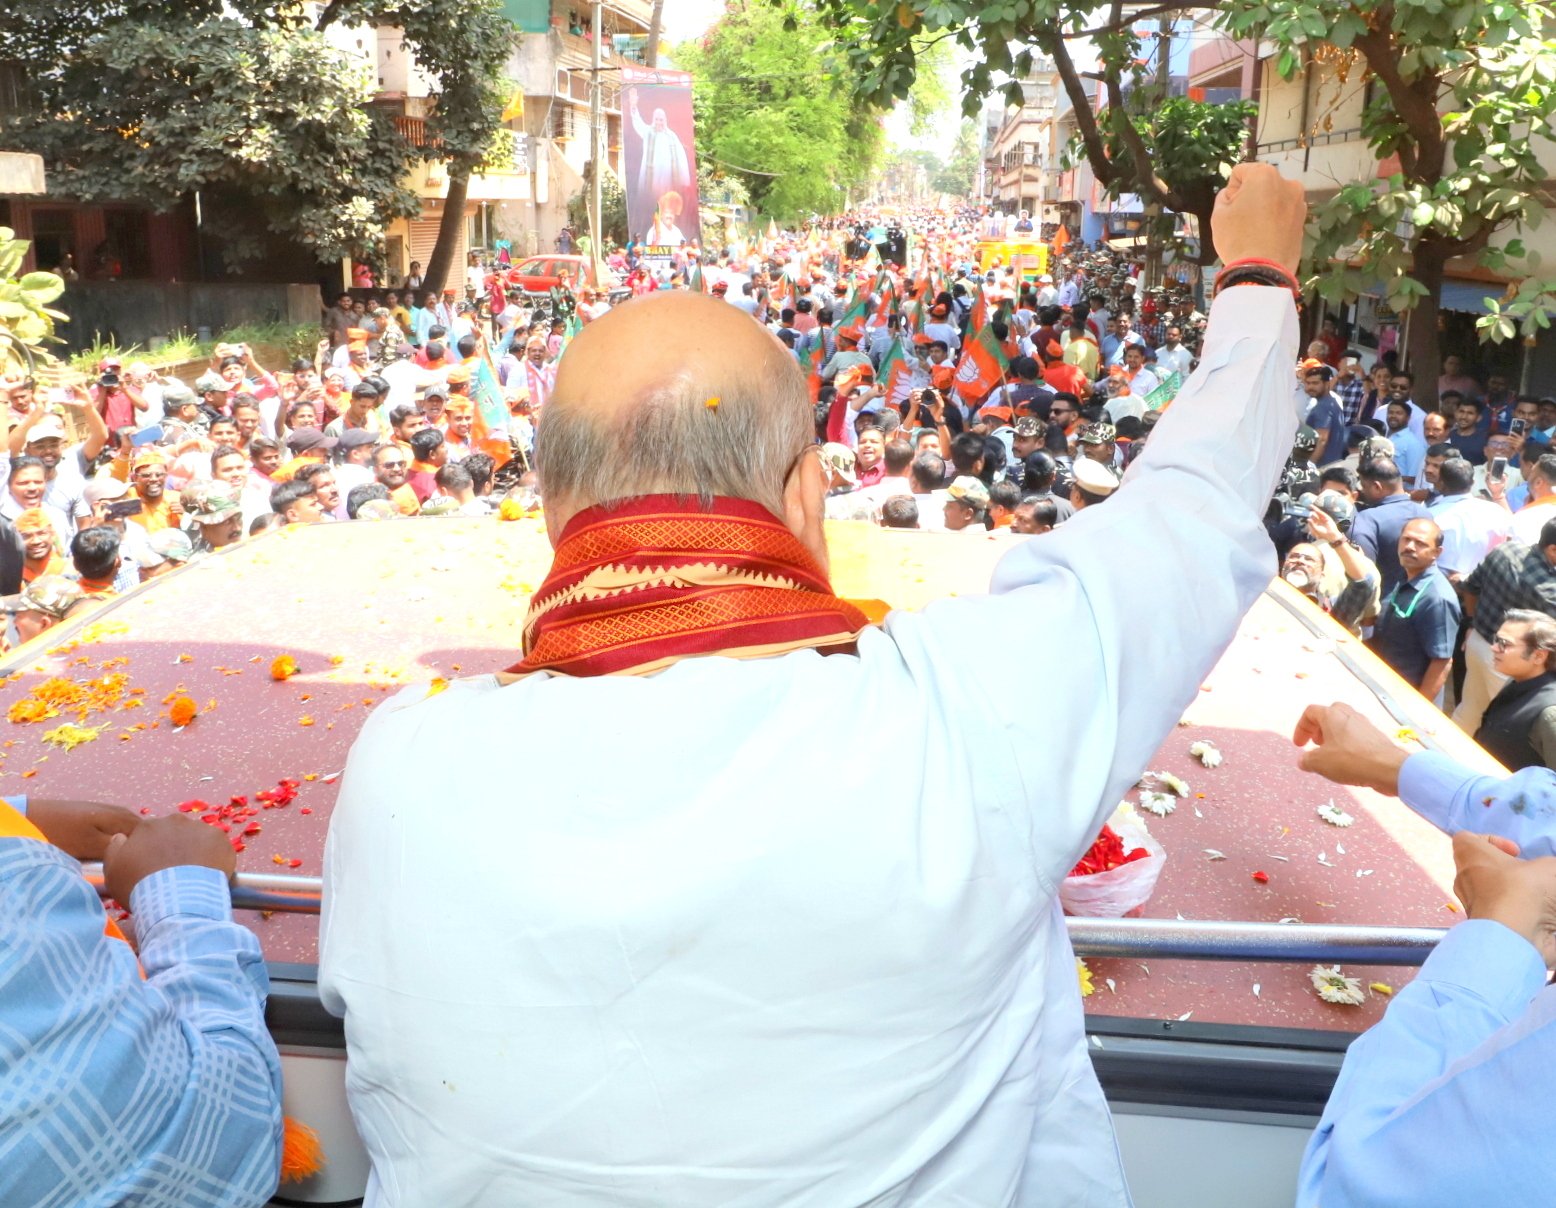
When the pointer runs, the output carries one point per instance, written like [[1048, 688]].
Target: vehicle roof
[[366, 608]]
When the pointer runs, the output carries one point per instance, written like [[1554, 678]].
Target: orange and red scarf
[[638, 585]]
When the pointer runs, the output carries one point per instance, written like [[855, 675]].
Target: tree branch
[[1150, 185], [1416, 103], [329, 14], [1118, 23], [1085, 117]]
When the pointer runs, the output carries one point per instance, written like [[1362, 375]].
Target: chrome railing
[[1157, 939]]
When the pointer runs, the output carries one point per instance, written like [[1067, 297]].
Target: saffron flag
[[1061, 240], [812, 362], [981, 368], [489, 432], [896, 374]]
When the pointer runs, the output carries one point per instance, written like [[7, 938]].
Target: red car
[[539, 274]]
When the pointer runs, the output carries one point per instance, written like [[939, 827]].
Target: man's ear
[[804, 507]]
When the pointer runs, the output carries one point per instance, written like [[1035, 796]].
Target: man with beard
[[321, 477], [392, 466], [40, 544], [148, 475]]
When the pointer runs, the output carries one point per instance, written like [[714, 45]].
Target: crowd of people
[[667, 943]]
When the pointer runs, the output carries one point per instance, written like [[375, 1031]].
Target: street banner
[[661, 167]]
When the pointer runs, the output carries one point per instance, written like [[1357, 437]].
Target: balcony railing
[[414, 131]]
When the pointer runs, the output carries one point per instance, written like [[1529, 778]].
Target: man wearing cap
[[966, 505], [1346, 583], [458, 428], [148, 475], [1093, 483], [218, 513], [308, 446], [41, 605], [354, 459], [1047, 295], [1097, 442]]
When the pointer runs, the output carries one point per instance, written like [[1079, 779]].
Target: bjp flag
[[812, 363], [981, 368], [1061, 240], [896, 374]]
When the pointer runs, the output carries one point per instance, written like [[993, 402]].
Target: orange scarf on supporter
[[641, 584]]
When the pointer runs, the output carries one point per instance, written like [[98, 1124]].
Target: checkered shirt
[[1353, 394], [1513, 575], [162, 1092]]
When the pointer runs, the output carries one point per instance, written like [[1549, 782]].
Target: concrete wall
[[132, 312]]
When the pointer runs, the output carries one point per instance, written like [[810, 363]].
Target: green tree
[[613, 206], [775, 109], [26, 320], [1465, 99], [956, 178], [887, 39], [248, 103]]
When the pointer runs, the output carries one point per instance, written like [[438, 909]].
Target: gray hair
[[679, 441], [1542, 629]]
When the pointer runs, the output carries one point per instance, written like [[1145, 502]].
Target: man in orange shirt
[[148, 475]]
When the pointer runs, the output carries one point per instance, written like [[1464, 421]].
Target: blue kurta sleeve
[[117, 1089], [1521, 807], [1440, 1099]]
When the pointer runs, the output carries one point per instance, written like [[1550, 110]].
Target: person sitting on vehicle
[[1432, 1105]]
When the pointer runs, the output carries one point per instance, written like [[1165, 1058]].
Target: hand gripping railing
[[1158, 939]]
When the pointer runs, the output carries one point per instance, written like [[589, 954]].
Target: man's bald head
[[630, 414]]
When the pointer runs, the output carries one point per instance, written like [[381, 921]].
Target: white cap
[[1093, 477], [48, 428]]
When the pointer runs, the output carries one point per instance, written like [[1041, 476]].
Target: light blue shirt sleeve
[[1520, 807], [1441, 1104], [119, 1089]]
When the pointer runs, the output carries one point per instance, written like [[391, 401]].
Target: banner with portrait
[[661, 165]]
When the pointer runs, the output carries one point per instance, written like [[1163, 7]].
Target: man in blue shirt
[[1325, 415], [1409, 449], [1386, 512], [1119, 338], [149, 1083], [1470, 427], [1418, 624], [1439, 1103]]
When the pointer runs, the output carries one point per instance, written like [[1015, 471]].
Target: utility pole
[[596, 160]]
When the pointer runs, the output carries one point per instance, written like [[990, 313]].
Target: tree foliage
[[26, 320], [1465, 99], [887, 37], [960, 171], [147, 102], [775, 108]]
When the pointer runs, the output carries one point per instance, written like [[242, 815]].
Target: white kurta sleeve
[[1109, 623]]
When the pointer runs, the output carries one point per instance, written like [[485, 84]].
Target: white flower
[[1160, 804], [1334, 986], [1157, 781], [1334, 815], [1206, 753]]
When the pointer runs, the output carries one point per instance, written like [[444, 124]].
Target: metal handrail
[[1156, 939]]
